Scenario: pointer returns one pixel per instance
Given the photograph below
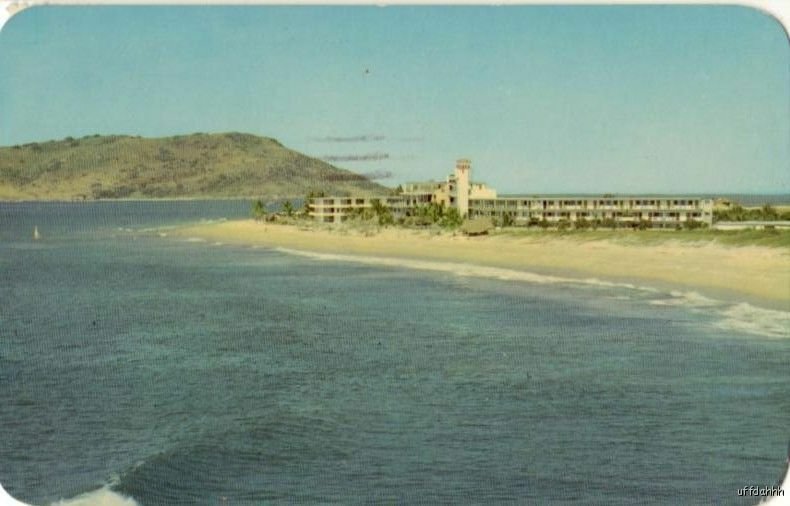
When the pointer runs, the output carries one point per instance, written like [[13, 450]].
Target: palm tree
[[258, 210]]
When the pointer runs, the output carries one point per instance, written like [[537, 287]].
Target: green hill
[[184, 166]]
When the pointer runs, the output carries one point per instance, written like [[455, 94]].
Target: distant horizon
[[600, 99]]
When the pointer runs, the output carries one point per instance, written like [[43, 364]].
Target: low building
[[476, 200], [654, 212]]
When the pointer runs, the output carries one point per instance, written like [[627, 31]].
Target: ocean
[[143, 369]]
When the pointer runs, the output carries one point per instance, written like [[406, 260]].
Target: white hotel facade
[[475, 200]]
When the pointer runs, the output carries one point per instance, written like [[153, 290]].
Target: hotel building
[[476, 200]]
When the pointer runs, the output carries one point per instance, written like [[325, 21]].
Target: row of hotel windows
[[549, 203], [495, 203], [341, 202], [590, 215], [396, 202], [553, 203], [550, 214]]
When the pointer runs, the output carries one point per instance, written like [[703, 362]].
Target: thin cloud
[[350, 176], [368, 157], [353, 138], [377, 174]]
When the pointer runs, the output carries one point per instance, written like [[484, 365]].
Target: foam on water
[[461, 269], [155, 229], [687, 299], [101, 497], [739, 317], [755, 320]]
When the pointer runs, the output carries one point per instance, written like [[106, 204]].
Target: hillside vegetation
[[185, 166]]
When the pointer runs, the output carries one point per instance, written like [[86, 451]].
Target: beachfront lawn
[[770, 238]]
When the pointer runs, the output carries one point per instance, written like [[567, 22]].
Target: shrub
[[452, 218], [692, 225], [769, 212], [382, 212]]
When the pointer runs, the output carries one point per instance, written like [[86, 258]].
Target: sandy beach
[[749, 273]]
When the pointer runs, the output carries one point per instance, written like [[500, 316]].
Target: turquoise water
[[184, 372]]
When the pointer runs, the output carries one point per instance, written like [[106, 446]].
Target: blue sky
[[542, 99]]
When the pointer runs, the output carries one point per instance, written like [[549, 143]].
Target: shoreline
[[755, 274]]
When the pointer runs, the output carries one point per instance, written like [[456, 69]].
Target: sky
[[542, 99]]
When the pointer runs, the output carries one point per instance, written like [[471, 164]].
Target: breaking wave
[[688, 299], [460, 269], [755, 320], [737, 317], [101, 497]]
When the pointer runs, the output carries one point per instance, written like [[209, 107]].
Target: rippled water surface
[[177, 372]]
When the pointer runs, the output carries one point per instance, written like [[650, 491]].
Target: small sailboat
[[36, 235]]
